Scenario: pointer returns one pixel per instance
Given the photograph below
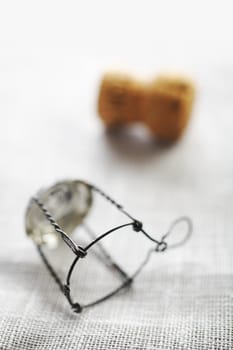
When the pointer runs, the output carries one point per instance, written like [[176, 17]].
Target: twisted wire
[[81, 252], [76, 249]]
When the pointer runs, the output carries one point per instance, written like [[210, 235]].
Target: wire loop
[[81, 252]]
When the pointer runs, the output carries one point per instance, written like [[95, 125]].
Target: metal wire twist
[[81, 252]]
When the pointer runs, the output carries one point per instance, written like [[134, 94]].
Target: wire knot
[[81, 252], [66, 290], [161, 246], [137, 225], [77, 308]]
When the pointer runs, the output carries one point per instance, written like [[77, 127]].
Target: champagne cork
[[120, 99], [164, 105]]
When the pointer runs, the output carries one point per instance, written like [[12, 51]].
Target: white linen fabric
[[50, 131], [183, 298]]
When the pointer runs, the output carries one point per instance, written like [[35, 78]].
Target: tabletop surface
[[52, 56]]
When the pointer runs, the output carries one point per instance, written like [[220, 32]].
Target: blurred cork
[[164, 105]]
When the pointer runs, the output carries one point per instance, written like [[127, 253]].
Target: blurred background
[[52, 57]]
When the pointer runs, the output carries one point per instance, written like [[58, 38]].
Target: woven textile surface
[[183, 299]]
